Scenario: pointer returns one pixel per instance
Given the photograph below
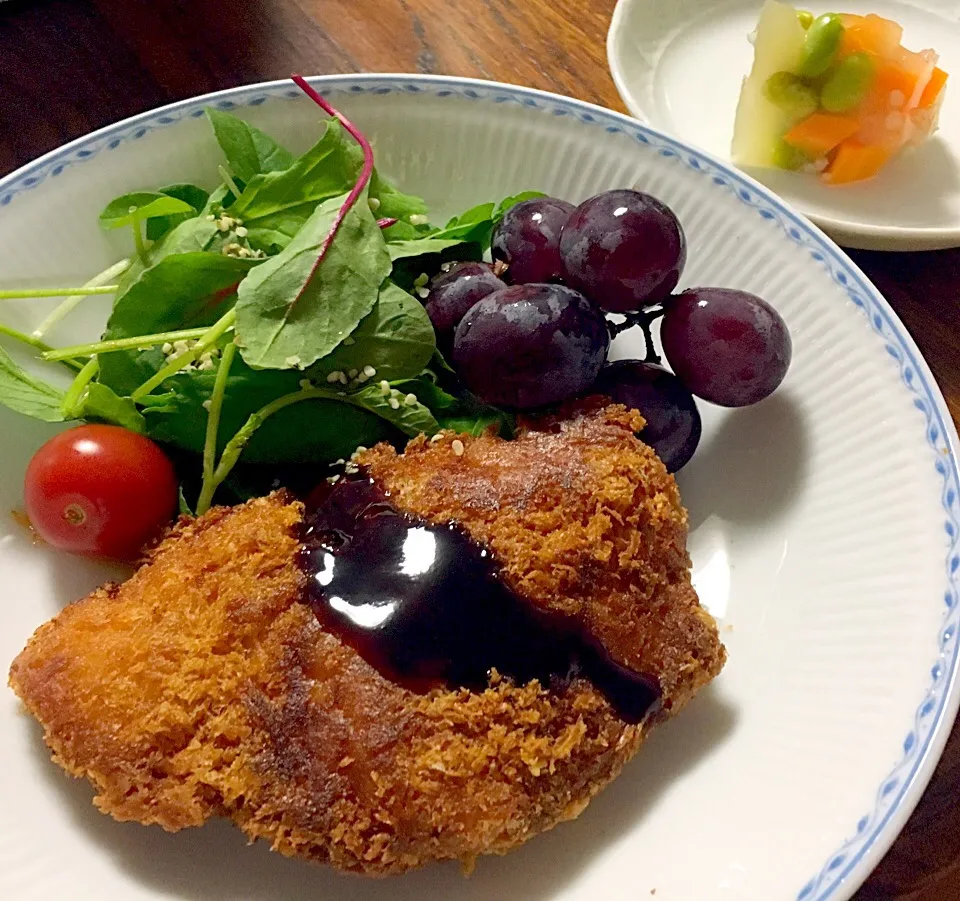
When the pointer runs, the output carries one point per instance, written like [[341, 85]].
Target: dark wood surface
[[69, 66]]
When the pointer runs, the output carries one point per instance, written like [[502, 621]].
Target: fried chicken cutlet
[[204, 686]]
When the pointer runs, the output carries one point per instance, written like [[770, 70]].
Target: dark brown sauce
[[427, 607]]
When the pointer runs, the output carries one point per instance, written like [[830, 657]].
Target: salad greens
[[273, 320]]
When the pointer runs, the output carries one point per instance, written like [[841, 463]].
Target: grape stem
[[644, 319]]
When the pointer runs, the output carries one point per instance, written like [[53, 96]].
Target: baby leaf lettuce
[[292, 310], [128, 209], [25, 394], [396, 338], [195, 197], [183, 290], [281, 202], [248, 150]]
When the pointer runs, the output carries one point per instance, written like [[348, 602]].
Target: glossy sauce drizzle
[[427, 607]]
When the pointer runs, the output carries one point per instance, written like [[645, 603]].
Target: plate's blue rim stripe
[[870, 836]]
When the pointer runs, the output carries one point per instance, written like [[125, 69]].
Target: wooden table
[[68, 66]]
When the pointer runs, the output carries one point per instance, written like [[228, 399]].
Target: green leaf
[[411, 419], [191, 194], [464, 413], [291, 312], [103, 405], [426, 256], [283, 201], [396, 338], [130, 208], [475, 224], [183, 290], [182, 506], [508, 202], [420, 247], [25, 394], [248, 150], [313, 431]]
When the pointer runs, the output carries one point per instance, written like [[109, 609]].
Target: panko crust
[[204, 687]]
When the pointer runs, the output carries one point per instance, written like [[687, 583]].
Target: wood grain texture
[[67, 67]]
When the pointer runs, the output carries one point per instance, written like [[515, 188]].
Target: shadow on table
[[213, 864]]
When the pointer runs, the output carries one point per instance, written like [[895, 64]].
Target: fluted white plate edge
[[824, 527], [678, 66]]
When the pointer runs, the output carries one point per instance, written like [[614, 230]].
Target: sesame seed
[[339, 462], [207, 404], [241, 232], [306, 384], [422, 293], [385, 388], [360, 449], [394, 403], [348, 341], [181, 347], [394, 392], [333, 479], [206, 357], [457, 446], [211, 218], [418, 219], [205, 365], [363, 377], [436, 438], [369, 371], [167, 347], [410, 400], [131, 209], [222, 225], [353, 373], [351, 469], [333, 376], [342, 377]]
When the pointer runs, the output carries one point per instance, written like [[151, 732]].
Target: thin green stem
[[101, 280], [228, 179], [204, 343], [18, 293], [138, 341], [213, 425], [37, 343], [234, 447], [137, 226], [72, 399]]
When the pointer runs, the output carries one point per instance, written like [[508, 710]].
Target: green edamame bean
[[805, 17], [787, 157], [848, 84], [821, 45], [790, 94]]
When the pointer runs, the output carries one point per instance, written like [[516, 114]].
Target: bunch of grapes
[[531, 330]]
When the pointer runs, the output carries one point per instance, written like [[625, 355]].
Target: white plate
[[824, 526], [679, 65]]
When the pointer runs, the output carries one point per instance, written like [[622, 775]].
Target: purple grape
[[453, 292], [530, 345], [624, 250], [527, 240], [726, 346], [673, 421]]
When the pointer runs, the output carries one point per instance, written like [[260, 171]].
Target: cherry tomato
[[100, 490]]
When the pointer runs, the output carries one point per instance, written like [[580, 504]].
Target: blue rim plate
[[845, 869]]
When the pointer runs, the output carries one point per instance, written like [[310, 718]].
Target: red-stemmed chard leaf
[[297, 306]]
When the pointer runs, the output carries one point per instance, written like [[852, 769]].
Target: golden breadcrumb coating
[[204, 686]]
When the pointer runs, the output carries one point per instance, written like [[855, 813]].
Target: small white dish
[[824, 528], [678, 66]]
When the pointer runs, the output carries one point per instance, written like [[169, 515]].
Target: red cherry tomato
[[100, 490]]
